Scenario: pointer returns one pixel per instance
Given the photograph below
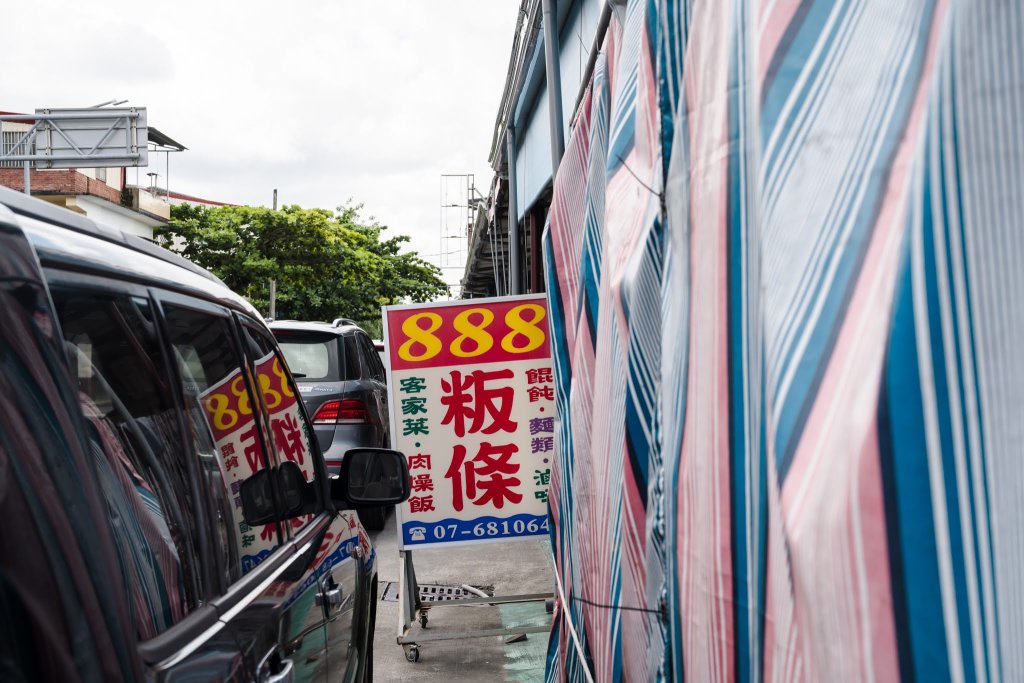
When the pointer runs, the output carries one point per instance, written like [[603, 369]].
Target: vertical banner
[[472, 407]]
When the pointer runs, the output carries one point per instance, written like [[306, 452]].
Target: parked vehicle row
[[168, 512]]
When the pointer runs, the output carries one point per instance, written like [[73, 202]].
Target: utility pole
[[273, 283]]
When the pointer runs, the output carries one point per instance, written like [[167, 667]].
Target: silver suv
[[343, 385]]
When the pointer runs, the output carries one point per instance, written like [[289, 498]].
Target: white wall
[[574, 45], [117, 217], [533, 155]]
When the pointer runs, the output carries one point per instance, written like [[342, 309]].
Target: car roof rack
[[338, 322]]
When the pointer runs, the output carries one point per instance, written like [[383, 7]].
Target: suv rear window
[[310, 355]]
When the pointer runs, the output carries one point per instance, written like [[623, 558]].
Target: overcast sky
[[322, 99]]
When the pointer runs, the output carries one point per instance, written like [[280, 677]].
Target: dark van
[[166, 511]]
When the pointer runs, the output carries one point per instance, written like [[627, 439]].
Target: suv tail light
[[349, 411]]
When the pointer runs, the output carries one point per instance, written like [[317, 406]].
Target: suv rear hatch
[[331, 390]]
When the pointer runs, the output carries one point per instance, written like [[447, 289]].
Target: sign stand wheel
[[412, 653]]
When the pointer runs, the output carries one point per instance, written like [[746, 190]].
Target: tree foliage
[[327, 264]]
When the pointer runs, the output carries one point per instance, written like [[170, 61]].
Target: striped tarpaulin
[[784, 266]]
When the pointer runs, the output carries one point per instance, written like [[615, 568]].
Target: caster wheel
[[423, 620], [412, 654]]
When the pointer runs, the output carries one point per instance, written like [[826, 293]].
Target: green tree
[[326, 264]]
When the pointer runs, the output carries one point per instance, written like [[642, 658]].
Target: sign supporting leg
[[409, 604], [411, 608]]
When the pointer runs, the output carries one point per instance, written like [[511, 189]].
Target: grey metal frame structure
[[76, 138], [411, 609], [514, 280]]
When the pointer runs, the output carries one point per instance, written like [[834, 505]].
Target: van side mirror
[[295, 493], [371, 477]]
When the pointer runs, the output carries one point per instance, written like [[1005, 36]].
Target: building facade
[[554, 43]]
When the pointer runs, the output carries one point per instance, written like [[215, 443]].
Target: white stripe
[[842, 116], [970, 389], [933, 445], [994, 253], [573, 636], [953, 390], [811, 323], [749, 158], [812, 59], [817, 455]]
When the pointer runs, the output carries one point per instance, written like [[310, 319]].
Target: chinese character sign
[[229, 414], [472, 406]]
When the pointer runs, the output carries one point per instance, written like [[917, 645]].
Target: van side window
[[224, 429], [291, 434], [135, 440]]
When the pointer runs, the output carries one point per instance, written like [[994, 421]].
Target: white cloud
[[322, 99]]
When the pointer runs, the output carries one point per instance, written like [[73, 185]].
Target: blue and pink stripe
[[783, 262]]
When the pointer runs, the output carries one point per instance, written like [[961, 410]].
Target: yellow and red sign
[[484, 331], [229, 413], [227, 405], [472, 407]]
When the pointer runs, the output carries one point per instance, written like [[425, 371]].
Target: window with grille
[[10, 139]]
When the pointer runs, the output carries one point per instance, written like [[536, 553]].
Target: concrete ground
[[512, 568]]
